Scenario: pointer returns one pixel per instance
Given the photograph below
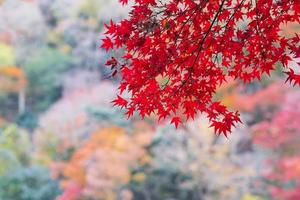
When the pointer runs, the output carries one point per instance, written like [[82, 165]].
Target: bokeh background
[[61, 139]]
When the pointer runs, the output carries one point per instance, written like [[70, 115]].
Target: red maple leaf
[[196, 45], [124, 2], [292, 77], [120, 102], [176, 121], [107, 44]]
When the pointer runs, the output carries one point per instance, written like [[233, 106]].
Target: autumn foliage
[[279, 131], [177, 53], [12, 79], [102, 163]]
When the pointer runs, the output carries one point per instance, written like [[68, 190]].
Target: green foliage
[[9, 104], [27, 120], [14, 148], [14, 145], [33, 183], [44, 71], [165, 179], [163, 183], [109, 115], [89, 8], [8, 161]]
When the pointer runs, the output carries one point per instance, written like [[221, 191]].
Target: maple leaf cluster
[[176, 54]]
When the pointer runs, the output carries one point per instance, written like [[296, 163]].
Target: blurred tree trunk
[[22, 101]]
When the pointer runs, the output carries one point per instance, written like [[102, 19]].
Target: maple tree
[[176, 54]]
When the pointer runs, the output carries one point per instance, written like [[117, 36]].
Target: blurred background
[[60, 138]]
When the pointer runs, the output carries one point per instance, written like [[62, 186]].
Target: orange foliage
[[12, 79], [103, 162]]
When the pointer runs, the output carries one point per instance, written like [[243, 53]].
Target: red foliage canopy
[[177, 52]]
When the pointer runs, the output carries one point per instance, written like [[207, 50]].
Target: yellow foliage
[[139, 177], [212, 162], [251, 197], [65, 48], [6, 55]]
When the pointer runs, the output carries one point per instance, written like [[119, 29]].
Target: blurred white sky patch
[[106, 9], [26, 17], [295, 65], [112, 9]]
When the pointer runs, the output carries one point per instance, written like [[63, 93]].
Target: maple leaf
[[176, 121], [124, 2], [111, 28], [107, 44], [197, 45], [112, 62], [292, 77], [220, 127], [120, 102]]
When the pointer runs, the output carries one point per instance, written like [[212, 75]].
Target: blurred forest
[[61, 139]]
